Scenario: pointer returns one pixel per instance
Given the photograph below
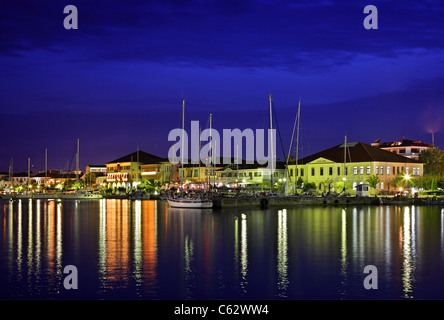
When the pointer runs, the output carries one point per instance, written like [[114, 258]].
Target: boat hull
[[190, 203]]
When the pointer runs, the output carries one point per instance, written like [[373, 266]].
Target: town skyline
[[117, 82]]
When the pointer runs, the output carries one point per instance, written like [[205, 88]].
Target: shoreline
[[265, 202]]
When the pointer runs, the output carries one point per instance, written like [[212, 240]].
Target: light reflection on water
[[143, 249]]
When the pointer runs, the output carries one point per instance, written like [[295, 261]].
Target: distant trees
[[433, 177], [433, 160], [373, 181]]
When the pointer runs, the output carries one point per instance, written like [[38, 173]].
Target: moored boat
[[190, 203]]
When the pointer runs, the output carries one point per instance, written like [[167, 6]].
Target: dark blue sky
[[117, 81]]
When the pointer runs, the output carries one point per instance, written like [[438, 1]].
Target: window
[[355, 170], [312, 171], [361, 170], [368, 170], [407, 170], [402, 151], [346, 171], [377, 170], [339, 171], [354, 185], [388, 170], [382, 185], [302, 172], [321, 171], [418, 172], [291, 172], [330, 171], [414, 171]]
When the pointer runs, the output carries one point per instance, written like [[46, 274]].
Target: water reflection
[[241, 251], [344, 250], [407, 262], [282, 254], [143, 249]]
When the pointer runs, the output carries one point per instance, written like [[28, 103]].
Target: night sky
[[117, 81]]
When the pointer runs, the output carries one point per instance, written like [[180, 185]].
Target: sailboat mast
[[183, 142], [297, 149], [210, 156], [271, 143], [237, 163], [200, 133], [29, 172], [137, 172], [77, 164], [11, 171], [345, 158], [46, 164]]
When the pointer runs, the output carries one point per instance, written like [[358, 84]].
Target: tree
[[151, 186], [373, 181], [424, 182], [433, 160], [90, 179]]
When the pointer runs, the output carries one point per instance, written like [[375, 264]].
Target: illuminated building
[[407, 148], [132, 169], [335, 168]]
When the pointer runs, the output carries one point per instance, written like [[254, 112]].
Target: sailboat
[[78, 194], [187, 201]]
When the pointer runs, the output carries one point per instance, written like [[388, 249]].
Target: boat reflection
[[145, 249]]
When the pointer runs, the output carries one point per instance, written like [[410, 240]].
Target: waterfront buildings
[[131, 170], [407, 148], [351, 164]]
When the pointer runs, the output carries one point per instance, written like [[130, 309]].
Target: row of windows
[[360, 171]]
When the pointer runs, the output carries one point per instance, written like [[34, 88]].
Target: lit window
[[361, 170], [355, 170], [368, 170], [388, 170], [382, 170], [377, 170], [414, 171]]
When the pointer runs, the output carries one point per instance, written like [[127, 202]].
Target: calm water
[[143, 249]]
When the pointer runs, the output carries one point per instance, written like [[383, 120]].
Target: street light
[[407, 179]]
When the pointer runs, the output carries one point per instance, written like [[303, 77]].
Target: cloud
[[294, 35]]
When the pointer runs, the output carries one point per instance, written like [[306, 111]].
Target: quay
[[226, 203], [266, 202]]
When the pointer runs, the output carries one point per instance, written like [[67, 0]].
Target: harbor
[[144, 249]]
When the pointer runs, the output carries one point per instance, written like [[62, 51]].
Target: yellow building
[[132, 169], [251, 174], [195, 174], [348, 166]]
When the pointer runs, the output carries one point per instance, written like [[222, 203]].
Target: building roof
[[401, 143], [144, 158], [356, 152]]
